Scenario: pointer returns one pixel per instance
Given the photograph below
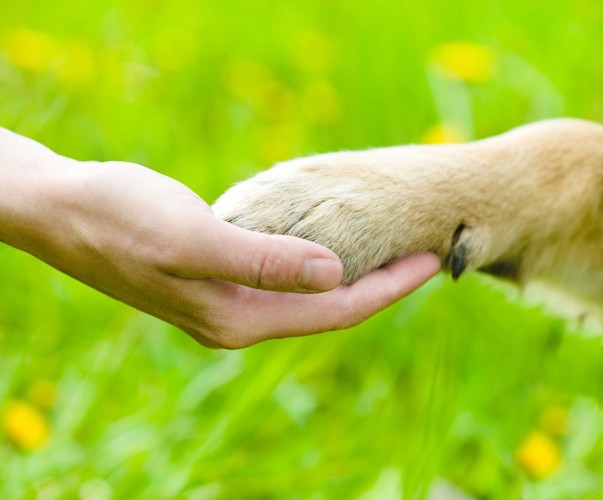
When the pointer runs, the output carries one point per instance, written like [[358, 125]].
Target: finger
[[296, 315], [269, 262]]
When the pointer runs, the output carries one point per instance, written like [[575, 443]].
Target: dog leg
[[523, 205]]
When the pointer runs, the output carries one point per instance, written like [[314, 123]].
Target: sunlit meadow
[[459, 391]]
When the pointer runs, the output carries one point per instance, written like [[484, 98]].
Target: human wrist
[[35, 193]]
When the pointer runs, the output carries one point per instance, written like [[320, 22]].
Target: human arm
[[147, 240]]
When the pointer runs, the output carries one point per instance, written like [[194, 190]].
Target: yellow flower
[[465, 61], [43, 393], [25, 426], [444, 133], [320, 103], [538, 455], [72, 61], [31, 50]]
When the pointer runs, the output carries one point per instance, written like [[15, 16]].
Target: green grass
[[444, 386]]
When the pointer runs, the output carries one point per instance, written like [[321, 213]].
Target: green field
[[458, 387]]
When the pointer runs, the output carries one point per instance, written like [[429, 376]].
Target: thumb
[[271, 262]]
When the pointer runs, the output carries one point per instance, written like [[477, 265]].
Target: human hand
[[149, 241]]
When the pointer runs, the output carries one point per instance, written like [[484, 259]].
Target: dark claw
[[459, 260]]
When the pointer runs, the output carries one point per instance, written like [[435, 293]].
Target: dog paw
[[367, 214], [524, 205]]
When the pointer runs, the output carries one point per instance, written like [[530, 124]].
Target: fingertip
[[321, 269], [321, 274], [275, 262]]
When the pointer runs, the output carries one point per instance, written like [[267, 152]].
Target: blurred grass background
[[459, 391]]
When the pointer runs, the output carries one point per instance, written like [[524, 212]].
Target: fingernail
[[321, 275]]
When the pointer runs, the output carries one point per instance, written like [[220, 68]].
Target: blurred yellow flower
[[78, 64], [554, 420], [465, 61], [30, 49], [320, 103], [72, 61], [315, 52], [25, 426], [538, 455], [444, 133], [43, 393]]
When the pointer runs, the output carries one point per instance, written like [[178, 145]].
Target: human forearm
[[149, 241], [35, 187]]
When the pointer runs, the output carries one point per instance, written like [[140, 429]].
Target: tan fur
[[527, 203]]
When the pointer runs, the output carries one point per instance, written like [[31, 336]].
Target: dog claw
[[459, 260]]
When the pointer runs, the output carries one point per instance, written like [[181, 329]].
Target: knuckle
[[271, 269]]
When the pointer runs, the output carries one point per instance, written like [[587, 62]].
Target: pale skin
[[149, 241]]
